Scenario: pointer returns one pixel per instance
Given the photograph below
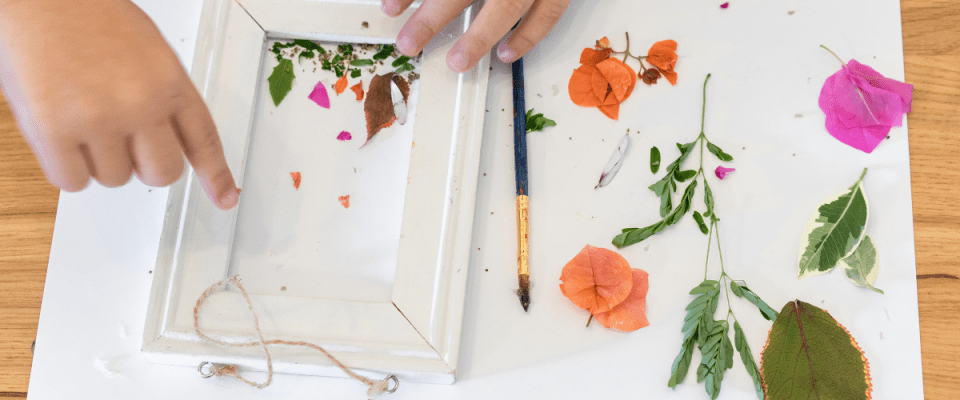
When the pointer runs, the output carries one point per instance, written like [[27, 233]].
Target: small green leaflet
[[834, 231], [747, 357], [699, 218], [631, 236], [862, 266], [345, 48], [718, 152], [654, 159], [385, 52], [355, 73], [361, 62], [400, 61], [536, 122], [743, 292], [810, 355], [404, 68], [281, 81], [708, 199]]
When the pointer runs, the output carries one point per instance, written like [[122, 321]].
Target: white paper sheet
[[761, 108]]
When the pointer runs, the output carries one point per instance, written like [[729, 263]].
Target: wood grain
[[931, 34]]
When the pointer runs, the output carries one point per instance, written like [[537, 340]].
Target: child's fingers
[[426, 22], [541, 18], [394, 8], [157, 156], [112, 164], [64, 165], [494, 20], [201, 144]]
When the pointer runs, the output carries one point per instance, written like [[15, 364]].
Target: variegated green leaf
[[834, 231], [862, 266]]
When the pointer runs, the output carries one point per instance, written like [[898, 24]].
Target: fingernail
[[406, 45], [230, 199], [457, 62], [505, 53]]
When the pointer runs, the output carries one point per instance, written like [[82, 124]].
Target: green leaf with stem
[[699, 218], [718, 152], [747, 357]]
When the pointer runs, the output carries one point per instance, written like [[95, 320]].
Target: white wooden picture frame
[[415, 335]]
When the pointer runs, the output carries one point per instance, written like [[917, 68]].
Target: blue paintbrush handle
[[519, 129]]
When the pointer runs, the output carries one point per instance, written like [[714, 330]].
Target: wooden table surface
[[931, 36]]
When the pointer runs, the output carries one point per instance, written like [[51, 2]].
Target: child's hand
[[494, 20], [97, 92]]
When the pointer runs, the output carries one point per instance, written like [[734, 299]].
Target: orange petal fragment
[[344, 201], [341, 84], [358, 89], [603, 43], [612, 111], [671, 76], [591, 56], [581, 89], [596, 279], [631, 314], [296, 179], [621, 77], [663, 54]]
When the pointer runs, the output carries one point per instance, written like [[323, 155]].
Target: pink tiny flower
[[725, 5], [722, 172], [344, 136]]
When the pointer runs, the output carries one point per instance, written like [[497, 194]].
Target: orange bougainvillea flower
[[631, 314], [296, 179], [596, 279], [663, 55], [358, 89], [601, 82], [341, 84]]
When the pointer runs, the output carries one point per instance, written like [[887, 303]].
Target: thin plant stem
[[589, 320], [835, 55], [706, 265]]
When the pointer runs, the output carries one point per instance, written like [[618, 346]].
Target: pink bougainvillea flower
[[344, 136], [725, 5], [861, 105], [319, 95], [723, 172]]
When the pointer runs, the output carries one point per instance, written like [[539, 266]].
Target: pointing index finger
[[201, 145]]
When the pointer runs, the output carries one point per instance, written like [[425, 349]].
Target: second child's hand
[[490, 25]]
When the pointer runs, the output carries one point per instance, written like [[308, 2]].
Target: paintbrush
[[523, 201]]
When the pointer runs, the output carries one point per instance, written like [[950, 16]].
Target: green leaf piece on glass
[[834, 231], [809, 355], [699, 218], [862, 266], [384, 53], [747, 357], [400, 61], [361, 62], [404, 68], [355, 73], [281, 81], [654, 159], [718, 152]]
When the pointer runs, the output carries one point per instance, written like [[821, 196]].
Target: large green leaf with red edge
[[809, 355]]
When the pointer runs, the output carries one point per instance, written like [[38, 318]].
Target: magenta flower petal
[[725, 5], [861, 105], [344, 136], [722, 172], [319, 95]]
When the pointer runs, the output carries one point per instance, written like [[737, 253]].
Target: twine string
[[375, 387]]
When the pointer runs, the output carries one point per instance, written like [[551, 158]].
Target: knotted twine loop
[[375, 388]]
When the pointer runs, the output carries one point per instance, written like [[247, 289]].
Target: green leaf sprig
[[666, 186], [700, 328], [536, 122]]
